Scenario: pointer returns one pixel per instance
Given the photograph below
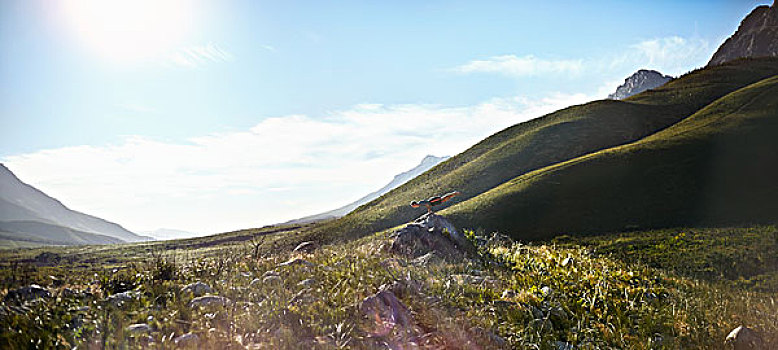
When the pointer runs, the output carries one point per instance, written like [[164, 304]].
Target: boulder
[[197, 289], [430, 233], [209, 300], [27, 293], [389, 315], [743, 338]]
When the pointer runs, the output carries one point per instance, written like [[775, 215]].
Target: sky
[[211, 116]]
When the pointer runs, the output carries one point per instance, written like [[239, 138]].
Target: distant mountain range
[[757, 36], [30, 217], [168, 233], [427, 163], [641, 81]]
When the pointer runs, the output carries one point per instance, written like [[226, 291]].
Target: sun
[[127, 31]]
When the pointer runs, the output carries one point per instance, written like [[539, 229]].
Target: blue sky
[[150, 114]]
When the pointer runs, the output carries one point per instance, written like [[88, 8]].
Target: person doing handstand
[[434, 201]]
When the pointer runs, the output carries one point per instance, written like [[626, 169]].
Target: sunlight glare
[[128, 31]]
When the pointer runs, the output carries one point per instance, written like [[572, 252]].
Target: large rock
[[743, 338], [197, 289], [430, 233], [757, 36]]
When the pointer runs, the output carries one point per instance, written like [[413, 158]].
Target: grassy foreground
[[587, 292]]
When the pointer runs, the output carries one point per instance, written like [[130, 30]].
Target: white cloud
[[515, 66], [670, 55], [279, 169], [197, 56]]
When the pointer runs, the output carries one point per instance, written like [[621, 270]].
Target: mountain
[[716, 167], [641, 81], [167, 233], [22, 202], [757, 36], [554, 138], [34, 233], [428, 162]]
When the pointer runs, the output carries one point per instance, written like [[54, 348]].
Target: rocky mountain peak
[[638, 82], [757, 36]]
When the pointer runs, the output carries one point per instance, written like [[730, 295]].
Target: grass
[[514, 295]]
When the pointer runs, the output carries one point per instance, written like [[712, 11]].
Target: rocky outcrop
[[431, 233], [641, 81], [757, 36]]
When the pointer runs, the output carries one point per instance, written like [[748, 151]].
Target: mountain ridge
[[638, 82], [20, 201], [426, 163], [756, 36]]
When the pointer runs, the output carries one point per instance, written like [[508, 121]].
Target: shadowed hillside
[[716, 167], [557, 137]]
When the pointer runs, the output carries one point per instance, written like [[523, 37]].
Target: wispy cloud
[[281, 168], [672, 55], [515, 66], [197, 56]]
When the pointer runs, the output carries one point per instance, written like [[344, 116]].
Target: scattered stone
[[307, 282], [187, 340], [546, 290], [138, 328], [743, 338], [272, 279], [197, 289], [305, 247], [429, 233], [209, 300], [27, 293], [119, 299], [297, 261]]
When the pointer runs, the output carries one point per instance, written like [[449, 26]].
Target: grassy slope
[[554, 138], [716, 167]]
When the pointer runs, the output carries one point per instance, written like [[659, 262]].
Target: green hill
[[716, 167], [556, 137]]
